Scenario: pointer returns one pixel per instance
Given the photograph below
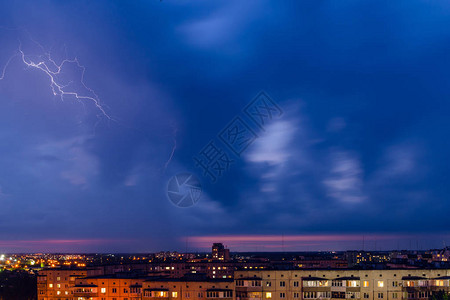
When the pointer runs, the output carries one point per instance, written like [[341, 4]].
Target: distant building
[[323, 264], [219, 252]]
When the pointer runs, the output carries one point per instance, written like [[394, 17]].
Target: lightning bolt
[[48, 66], [6, 66], [52, 70], [173, 148]]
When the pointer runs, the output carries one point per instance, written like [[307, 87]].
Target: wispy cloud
[[77, 165], [399, 160], [273, 147], [345, 182], [222, 26]]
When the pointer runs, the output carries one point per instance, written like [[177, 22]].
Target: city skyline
[[239, 243], [106, 106]]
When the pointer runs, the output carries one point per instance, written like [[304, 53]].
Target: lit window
[[103, 290], [58, 285], [380, 283], [50, 285], [351, 283], [365, 283], [268, 295], [58, 293], [174, 294]]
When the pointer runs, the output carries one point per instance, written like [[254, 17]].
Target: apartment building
[[132, 287], [57, 283], [120, 286], [219, 252], [188, 288], [251, 284], [340, 284]]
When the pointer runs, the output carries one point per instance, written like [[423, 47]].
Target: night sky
[[360, 151]]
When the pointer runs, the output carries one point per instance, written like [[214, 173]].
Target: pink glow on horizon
[[294, 242]]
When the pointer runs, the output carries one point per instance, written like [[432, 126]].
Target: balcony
[[249, 283], [85, 291], [248, 295], [219, 293], [156, 293]]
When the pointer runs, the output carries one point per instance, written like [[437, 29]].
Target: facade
[[57, 283], [340, 284], [109, 287], [212, 269], [323, 264], [219, 252], [259, 284], [188, 289]]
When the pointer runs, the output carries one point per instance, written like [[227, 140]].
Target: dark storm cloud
[[361, 147]]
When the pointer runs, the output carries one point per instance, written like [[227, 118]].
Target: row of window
[[325, 283], [209, 294], [58, 285], [216, 294], [342, 295], [347, 283], [248, 283]]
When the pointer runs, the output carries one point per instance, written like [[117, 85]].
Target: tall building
[[219, 252]]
